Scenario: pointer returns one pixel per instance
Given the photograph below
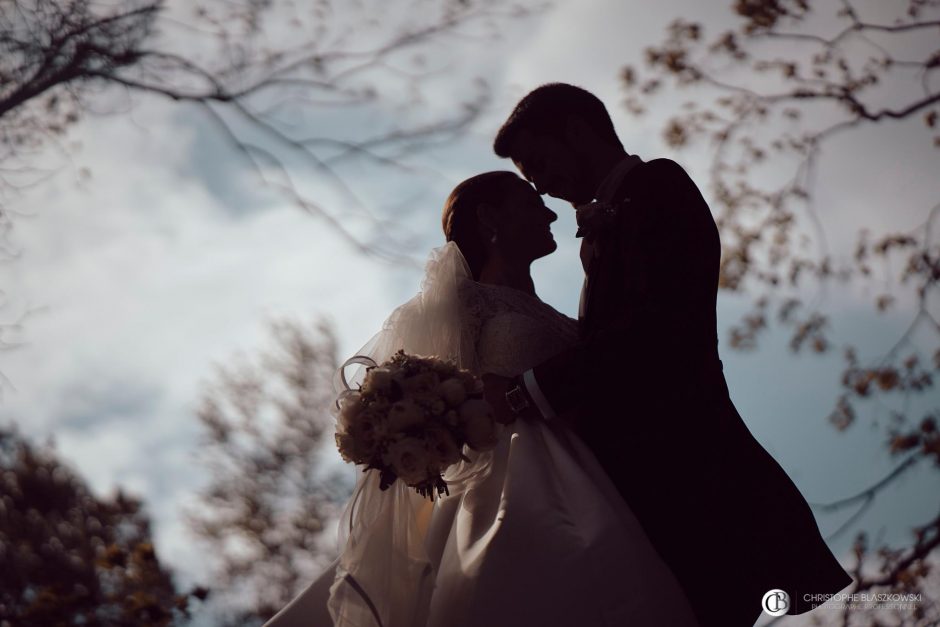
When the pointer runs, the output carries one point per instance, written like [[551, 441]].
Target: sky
[[171, 258]]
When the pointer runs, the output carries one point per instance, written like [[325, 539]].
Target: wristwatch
[[516, 398]]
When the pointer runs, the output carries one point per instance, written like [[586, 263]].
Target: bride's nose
[[552, 216]]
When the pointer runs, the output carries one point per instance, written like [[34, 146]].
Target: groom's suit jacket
[[652, 403]]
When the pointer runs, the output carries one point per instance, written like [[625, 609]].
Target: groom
[[646, 382]]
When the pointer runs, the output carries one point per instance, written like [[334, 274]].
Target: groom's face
[[552, 166]]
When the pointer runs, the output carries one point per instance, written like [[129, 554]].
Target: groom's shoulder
[[665, 168], [667, 176]]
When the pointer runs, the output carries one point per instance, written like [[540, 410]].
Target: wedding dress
[[533, 531]]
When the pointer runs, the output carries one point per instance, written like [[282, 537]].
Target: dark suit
[[653, 405]]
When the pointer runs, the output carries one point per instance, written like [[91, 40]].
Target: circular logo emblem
[[776, 602]]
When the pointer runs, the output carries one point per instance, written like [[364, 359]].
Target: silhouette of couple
[[625, 489]]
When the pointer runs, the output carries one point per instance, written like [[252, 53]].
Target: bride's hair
[[460, 221]]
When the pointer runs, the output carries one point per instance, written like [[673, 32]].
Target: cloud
[[146, 279]]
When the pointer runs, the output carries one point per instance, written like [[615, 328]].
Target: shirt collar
[[614, 178]]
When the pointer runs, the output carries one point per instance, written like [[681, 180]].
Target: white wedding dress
[[532, 533]]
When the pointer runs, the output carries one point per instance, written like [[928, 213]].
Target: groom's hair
[[545, 110], [460, 221]]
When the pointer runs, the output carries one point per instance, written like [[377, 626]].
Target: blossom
[[478, 424], [404, 414], [436, 406], [355, 448], [452, 391], [361, 431], [424, 384], [442, 447], [379, 405], [349, 407], [373, 424], [408, 457], [377, 381]]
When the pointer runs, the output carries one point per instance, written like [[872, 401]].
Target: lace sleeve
[[516, 331]]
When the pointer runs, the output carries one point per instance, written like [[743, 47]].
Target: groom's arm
[[684, 263]]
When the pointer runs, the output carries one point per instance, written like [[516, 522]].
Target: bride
[[532, 531]]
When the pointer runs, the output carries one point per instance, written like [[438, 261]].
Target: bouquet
[[411, 418]]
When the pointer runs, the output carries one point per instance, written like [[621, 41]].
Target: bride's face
[[525, 232]]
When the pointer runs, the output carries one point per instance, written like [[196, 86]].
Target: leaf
[[843, 415], [888, 379], [901, 443], [884, 301]]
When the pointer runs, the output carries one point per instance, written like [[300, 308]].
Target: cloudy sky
[[171, 258]]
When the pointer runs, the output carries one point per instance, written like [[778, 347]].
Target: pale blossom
[[442, 447], [409, 458], [378, 381], [424, 384], [355, 448], [349, 408], [375, 423], [436, 406], [452, 391], [478, 424], [403, 415]]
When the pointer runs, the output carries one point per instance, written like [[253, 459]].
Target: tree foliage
[[770, 95], [70, 557], [270, 498]]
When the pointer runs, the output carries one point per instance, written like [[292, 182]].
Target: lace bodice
[[513, 331]]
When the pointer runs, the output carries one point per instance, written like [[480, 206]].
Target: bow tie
[[594, 218]]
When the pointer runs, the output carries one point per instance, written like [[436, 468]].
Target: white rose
[[453, 392], [479, 426], [355, 448], [442, 447], [372, 423], [409, 458], [404, 414], [349, 408], [378, 381], [423, 384], [436, 407]]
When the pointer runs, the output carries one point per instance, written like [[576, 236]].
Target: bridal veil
[[384, 575]]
